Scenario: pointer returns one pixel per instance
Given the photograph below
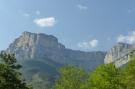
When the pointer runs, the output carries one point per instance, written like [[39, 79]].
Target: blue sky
[[79, 24]]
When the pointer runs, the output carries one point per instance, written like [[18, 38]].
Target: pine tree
[[10, 77]]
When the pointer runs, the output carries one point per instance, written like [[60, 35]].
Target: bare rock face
[[40, 46], [119, 54], [30, 45]]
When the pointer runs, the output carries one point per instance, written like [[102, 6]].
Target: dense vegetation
[[10, 77], [103, 77]]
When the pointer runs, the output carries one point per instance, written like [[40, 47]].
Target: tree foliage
[[128, 75], [10, 77], [71, 77], [105, 76]]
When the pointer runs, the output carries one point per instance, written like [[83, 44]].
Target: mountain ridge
[[32, 45], [41, 54]]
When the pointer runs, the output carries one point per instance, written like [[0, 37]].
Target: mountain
[[42, 55], [119, 54], [31, 46]]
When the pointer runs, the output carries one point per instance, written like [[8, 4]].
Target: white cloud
[[82, 7], [45, 22], [130, 38], [89, 44]]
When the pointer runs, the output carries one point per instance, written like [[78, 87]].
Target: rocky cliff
[[31, 46], [119, 54]]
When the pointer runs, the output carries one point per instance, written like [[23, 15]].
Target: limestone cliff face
[[30, 45], [118, 54], [40, 46]]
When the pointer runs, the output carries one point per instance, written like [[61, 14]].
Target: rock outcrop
[[40, 46], [119, 54]]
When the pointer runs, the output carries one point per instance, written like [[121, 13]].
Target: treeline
[[103, 77], [71, 77]]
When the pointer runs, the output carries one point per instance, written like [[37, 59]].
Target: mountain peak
[[40, 35], [117, 52], [31, 44], [41, 46], [26, 32]]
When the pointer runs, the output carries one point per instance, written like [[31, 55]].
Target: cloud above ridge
[[45, 22]]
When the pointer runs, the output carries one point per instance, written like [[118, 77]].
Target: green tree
[[104, 77], [128, 74], [10, 77], [71, 77]]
